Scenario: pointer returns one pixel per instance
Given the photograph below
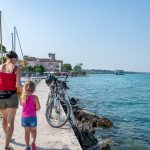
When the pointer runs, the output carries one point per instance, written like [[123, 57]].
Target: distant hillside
[[99, 71]]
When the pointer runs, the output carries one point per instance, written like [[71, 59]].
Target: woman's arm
[[0, 68], [18, 81], [38, 106], [18, 77]]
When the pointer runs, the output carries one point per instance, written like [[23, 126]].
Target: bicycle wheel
[[49, 98], [55, 115]]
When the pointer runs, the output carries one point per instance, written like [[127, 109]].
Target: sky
[[101, 34]]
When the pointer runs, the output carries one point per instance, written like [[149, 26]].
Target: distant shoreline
[[94, 71]]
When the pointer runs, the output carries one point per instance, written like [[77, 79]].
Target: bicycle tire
[[52, 120], [48, 99]]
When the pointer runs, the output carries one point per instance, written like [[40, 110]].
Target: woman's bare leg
[[11, 112], [4, 119]]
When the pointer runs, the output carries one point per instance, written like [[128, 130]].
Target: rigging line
[[19, 44], [5, 28]]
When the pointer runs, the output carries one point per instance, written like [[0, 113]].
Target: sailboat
[[2, 47]]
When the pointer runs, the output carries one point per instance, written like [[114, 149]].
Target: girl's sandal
[[28, 148], [33, 146]]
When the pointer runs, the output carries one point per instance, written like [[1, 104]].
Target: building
[[50, 64]]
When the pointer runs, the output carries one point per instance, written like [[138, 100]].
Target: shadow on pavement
[[38, 148]]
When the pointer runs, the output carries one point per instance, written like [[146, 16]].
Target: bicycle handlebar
[[52, 78], [64, 83]]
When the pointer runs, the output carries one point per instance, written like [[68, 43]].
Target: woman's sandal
[[9, 148]]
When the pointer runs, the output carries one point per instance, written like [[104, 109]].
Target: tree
[[3, 48], [39, 68], [29, 68], [77, 68], [78, 71], [66, 67], [22, 64], [3, 59]]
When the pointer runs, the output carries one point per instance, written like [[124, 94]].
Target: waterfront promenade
[[48, 138]]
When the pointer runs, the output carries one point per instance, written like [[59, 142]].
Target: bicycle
[[57, 97], [57, 102]]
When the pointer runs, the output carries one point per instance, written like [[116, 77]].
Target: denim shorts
[[29, 122]]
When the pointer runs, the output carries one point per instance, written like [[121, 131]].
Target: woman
[[9, 83]]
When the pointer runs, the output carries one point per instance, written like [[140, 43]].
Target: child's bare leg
[[33, 134], [27, 136]]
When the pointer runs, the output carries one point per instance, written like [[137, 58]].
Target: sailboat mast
[[14, 39], [1, 46]]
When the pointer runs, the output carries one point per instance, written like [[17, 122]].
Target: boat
[[119, 72]]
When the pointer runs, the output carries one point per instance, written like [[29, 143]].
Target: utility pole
[[1, 45]]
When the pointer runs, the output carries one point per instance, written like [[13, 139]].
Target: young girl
[[30, 104]]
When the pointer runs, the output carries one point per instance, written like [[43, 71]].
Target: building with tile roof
[[50, 64]]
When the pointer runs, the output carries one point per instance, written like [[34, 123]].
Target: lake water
[[124, 99]]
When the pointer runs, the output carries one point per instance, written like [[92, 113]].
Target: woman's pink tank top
[[29, 107]]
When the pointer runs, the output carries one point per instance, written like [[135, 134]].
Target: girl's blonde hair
[[28, 88]]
